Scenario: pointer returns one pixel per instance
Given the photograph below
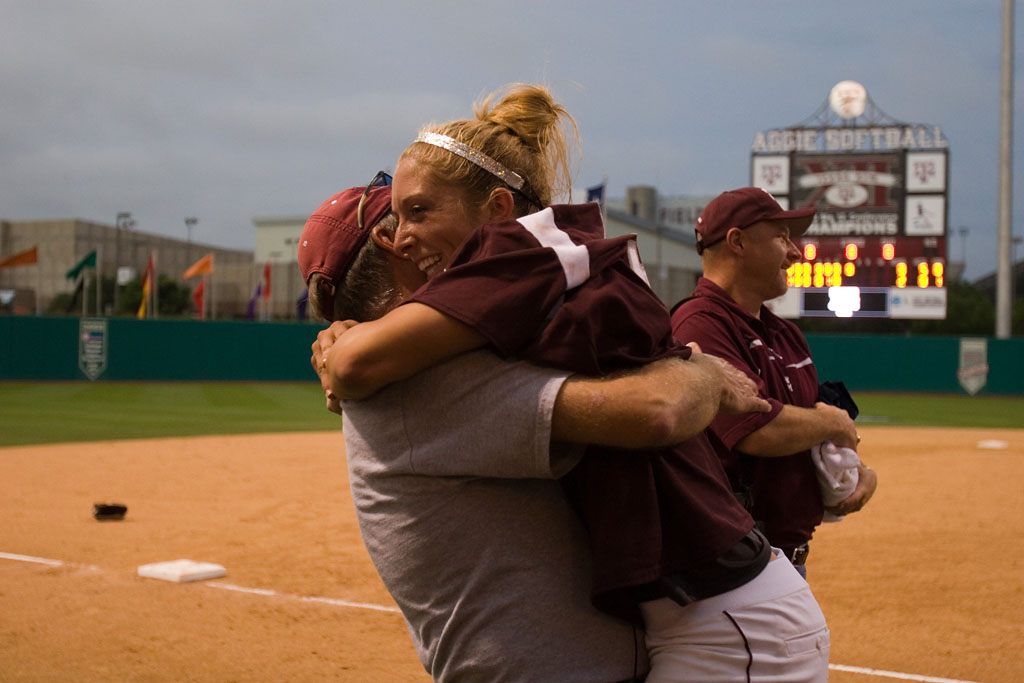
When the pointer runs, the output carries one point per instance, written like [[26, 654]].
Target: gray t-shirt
[[453, 479]]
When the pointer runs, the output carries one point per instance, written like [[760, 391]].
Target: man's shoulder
[[697, 307], [478, 371], [481, 367], [692, 305]]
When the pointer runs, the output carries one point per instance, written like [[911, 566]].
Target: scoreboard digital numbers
[[877, 246]]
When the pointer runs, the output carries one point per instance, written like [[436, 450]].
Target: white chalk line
[[304, 598], [48, 562], [894, 674], [384, 608], [336, 602]]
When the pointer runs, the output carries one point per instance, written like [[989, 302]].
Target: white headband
[[510, 178]]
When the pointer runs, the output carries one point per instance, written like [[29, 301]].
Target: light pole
[[1017, 239], [963, 230], [124, 222], [190, 222]]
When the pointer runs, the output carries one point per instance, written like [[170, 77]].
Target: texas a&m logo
[[867, 182]]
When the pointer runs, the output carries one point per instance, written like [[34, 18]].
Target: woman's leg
[[768, 630]]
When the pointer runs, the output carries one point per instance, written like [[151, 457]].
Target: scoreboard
[[896, 277], [877, 246], [869, 262]]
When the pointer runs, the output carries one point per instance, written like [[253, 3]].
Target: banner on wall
[[92, 347], [973, 370]]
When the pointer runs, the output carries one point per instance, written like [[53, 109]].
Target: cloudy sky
[[230, 110]]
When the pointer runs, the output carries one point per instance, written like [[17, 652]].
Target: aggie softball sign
[[878, 238]]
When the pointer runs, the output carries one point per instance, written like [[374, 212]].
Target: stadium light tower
[[962, 231], [124, 222], [190, 222], [1004, 271]]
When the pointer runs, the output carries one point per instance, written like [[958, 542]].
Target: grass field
[[940, 410], [51, 412], [54, 412]]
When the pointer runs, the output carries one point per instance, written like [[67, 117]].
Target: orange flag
[[203, 266], [25, 258], [147, 287]]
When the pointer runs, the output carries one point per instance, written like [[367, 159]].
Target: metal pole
[[99, 280], [155, 290], [123, 220], [39, 287], [190, 222], [1004, 271]]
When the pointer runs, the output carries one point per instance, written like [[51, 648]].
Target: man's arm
[[660, 404], [355, 360], [797, 429]]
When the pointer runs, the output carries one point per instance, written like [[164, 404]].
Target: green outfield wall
[[60, 348], [56, 348]]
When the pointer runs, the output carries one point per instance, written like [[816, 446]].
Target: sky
[[226, 111]]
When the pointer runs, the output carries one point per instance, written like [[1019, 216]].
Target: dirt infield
[[927, 581]]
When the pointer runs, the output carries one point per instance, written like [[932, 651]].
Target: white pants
[[770, 629]]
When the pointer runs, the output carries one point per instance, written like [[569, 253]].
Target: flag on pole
[[250, 311], [79, 292], [147, 287], [596, 194], [266, 280], [88, 262], [24, 258], [203, 266], [199, 296]]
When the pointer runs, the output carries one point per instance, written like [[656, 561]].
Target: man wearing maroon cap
[[745, 238], [454, 476]]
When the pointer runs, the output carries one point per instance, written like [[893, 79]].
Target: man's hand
[[739, 393], [843, 432], [867, 482], [321, 349]]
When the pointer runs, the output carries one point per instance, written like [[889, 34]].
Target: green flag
[[88, 262]]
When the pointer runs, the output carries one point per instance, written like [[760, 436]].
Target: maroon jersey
[[784, 491], [551, 289]]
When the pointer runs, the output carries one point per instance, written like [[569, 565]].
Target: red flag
[[199, 295], [203, 266], [25, 258], [147, 287], [266, 280]]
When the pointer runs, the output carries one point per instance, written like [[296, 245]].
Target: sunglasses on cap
[[382, 179]]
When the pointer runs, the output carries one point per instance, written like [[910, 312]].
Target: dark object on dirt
[[106, 512]]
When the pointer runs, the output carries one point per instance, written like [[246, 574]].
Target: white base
[[181, 571]]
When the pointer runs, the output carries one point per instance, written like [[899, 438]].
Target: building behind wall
[[664, 227], [277, 242], [63, 243]]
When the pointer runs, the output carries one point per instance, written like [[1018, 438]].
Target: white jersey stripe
[[804, 362], [574, 258], [635, 264]]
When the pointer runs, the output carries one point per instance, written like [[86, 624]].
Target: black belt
[[732, 569], [798, 555]]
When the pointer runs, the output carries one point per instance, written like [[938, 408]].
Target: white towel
[[837, 474]]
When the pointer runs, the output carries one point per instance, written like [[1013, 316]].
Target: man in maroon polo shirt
[[745, 241]]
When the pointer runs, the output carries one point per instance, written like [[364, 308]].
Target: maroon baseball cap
[[332, 236], [742, 208]]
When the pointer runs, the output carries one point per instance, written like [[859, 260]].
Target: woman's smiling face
[[434, 217]]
